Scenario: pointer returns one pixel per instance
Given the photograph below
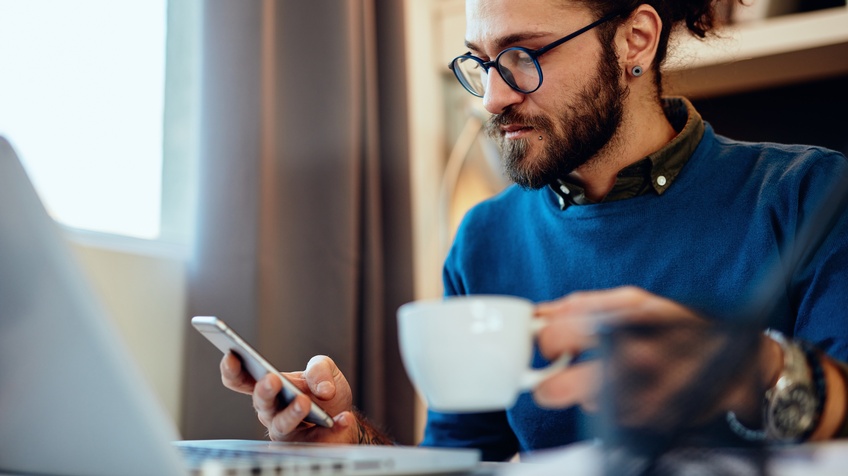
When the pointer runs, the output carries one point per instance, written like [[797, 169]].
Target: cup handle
[[538, 324], [533, 377]]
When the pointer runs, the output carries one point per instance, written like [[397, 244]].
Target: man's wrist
[[745, 405], [832, 422]]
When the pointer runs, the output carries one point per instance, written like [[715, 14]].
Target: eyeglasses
[[518, 66]]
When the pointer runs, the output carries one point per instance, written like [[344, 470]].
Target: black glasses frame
[[505, 74]]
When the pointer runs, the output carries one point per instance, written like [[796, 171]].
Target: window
[[82, 100]]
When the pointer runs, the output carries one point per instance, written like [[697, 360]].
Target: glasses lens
[[471, 73], [519, 70]]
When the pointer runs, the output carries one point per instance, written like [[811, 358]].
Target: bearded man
[[626, 204]]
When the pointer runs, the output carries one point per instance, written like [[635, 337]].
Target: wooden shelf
[[761, 54]]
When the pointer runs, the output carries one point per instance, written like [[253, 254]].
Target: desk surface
[[586, 459]]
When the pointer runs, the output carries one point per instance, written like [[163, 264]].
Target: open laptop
[[72, 401]]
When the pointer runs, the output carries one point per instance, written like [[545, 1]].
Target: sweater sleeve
[[490, 432], [820, 285]]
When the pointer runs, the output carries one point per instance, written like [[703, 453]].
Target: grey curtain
[[304, 237]]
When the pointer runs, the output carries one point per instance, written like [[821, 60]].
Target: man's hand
[[657, 369], [572, 327], [321, 381]]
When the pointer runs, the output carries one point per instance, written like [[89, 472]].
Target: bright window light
[[81, 100]]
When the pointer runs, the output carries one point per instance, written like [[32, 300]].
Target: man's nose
[[499, 95]]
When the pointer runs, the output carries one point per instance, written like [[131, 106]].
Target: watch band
[[742, 431]]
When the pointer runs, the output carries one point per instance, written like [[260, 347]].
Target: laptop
[[72, 401]]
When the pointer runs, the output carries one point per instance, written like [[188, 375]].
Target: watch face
[[792, 412]]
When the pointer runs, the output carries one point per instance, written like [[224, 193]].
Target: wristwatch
[[793, 405]]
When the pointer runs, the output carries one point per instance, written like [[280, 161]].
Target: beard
[[584, 128]]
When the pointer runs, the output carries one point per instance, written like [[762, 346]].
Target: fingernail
[[323, 388], [342, 419], [297, 407]]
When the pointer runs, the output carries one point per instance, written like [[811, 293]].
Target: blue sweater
[[706, 242]]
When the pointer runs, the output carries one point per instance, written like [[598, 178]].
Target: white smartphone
[[226, 340]]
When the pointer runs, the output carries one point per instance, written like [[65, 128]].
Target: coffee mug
[[471, 353]]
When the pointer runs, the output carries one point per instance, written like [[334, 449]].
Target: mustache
[[510, 116]]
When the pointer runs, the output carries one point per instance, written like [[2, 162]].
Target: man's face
[[578, 107]]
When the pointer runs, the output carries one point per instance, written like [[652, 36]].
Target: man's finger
[[320, 375], [233, 375], [578, 384], [287, 420], [566, 335]]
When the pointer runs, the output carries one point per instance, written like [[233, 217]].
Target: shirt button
[[661, 181]]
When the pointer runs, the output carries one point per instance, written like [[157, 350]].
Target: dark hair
[[699, 16]]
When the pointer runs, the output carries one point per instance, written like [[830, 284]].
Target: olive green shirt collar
[[656, 172]]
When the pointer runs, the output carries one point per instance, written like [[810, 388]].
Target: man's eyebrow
[[509, 40]]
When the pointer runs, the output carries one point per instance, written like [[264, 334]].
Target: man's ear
[[638, 38]]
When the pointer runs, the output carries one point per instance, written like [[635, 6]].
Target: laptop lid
[[72, 401]]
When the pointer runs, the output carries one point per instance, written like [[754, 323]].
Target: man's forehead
[[488, 22]]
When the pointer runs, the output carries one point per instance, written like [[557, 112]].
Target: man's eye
[[524, 59]]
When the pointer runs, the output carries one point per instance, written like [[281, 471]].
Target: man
[[626, 205]]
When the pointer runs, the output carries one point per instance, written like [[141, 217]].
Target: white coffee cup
[[471, 353]]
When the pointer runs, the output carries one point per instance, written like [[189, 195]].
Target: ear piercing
[[540, 137], [636, 71]]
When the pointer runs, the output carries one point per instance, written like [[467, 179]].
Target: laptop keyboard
[[203, 461]]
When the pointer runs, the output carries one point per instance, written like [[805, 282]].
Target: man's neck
[[644, 130]]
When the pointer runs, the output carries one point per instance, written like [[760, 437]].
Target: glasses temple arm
[[579, 32]]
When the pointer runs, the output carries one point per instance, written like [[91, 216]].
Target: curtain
[[303, 240]]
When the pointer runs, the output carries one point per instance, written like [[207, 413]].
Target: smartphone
[[226, 340]]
